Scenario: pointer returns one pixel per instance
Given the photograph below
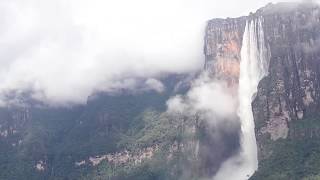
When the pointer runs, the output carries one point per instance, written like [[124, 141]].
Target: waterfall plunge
[[253, 67]]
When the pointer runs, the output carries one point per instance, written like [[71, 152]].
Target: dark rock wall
[[291, 91]]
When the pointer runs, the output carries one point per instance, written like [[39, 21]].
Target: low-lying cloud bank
[[62, 51]]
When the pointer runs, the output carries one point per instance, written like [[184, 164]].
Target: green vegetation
[[155, 129], [295, 158], [108, 123]]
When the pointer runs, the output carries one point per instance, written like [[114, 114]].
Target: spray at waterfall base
[[253, 67]]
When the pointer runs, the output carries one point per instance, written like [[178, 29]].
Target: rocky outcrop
[[122, 158]]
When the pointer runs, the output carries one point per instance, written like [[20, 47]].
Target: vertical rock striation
[[222, 48], [291, 91]]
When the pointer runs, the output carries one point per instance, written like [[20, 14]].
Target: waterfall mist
[[253, 67]]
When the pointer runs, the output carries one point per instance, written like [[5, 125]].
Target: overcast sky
[[64, 50]]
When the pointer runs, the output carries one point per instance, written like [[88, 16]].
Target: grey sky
[[64, 50]]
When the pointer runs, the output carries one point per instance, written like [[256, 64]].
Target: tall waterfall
[[253, 67]]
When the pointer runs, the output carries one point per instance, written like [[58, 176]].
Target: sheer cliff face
[[222, 48], [291, 91]]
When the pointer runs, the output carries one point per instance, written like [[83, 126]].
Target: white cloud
[[211, 97], [64, 50], [155, 84]]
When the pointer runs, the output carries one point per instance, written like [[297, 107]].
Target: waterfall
[[253, 67]]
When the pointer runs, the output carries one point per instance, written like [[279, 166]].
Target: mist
[[62, 51], [211, 97]]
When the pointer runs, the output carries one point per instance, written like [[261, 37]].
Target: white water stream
[[253, 67]]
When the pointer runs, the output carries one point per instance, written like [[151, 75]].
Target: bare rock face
[[222, 48], [291, 91]]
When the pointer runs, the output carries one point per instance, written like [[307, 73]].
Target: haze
[[62, 51]]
